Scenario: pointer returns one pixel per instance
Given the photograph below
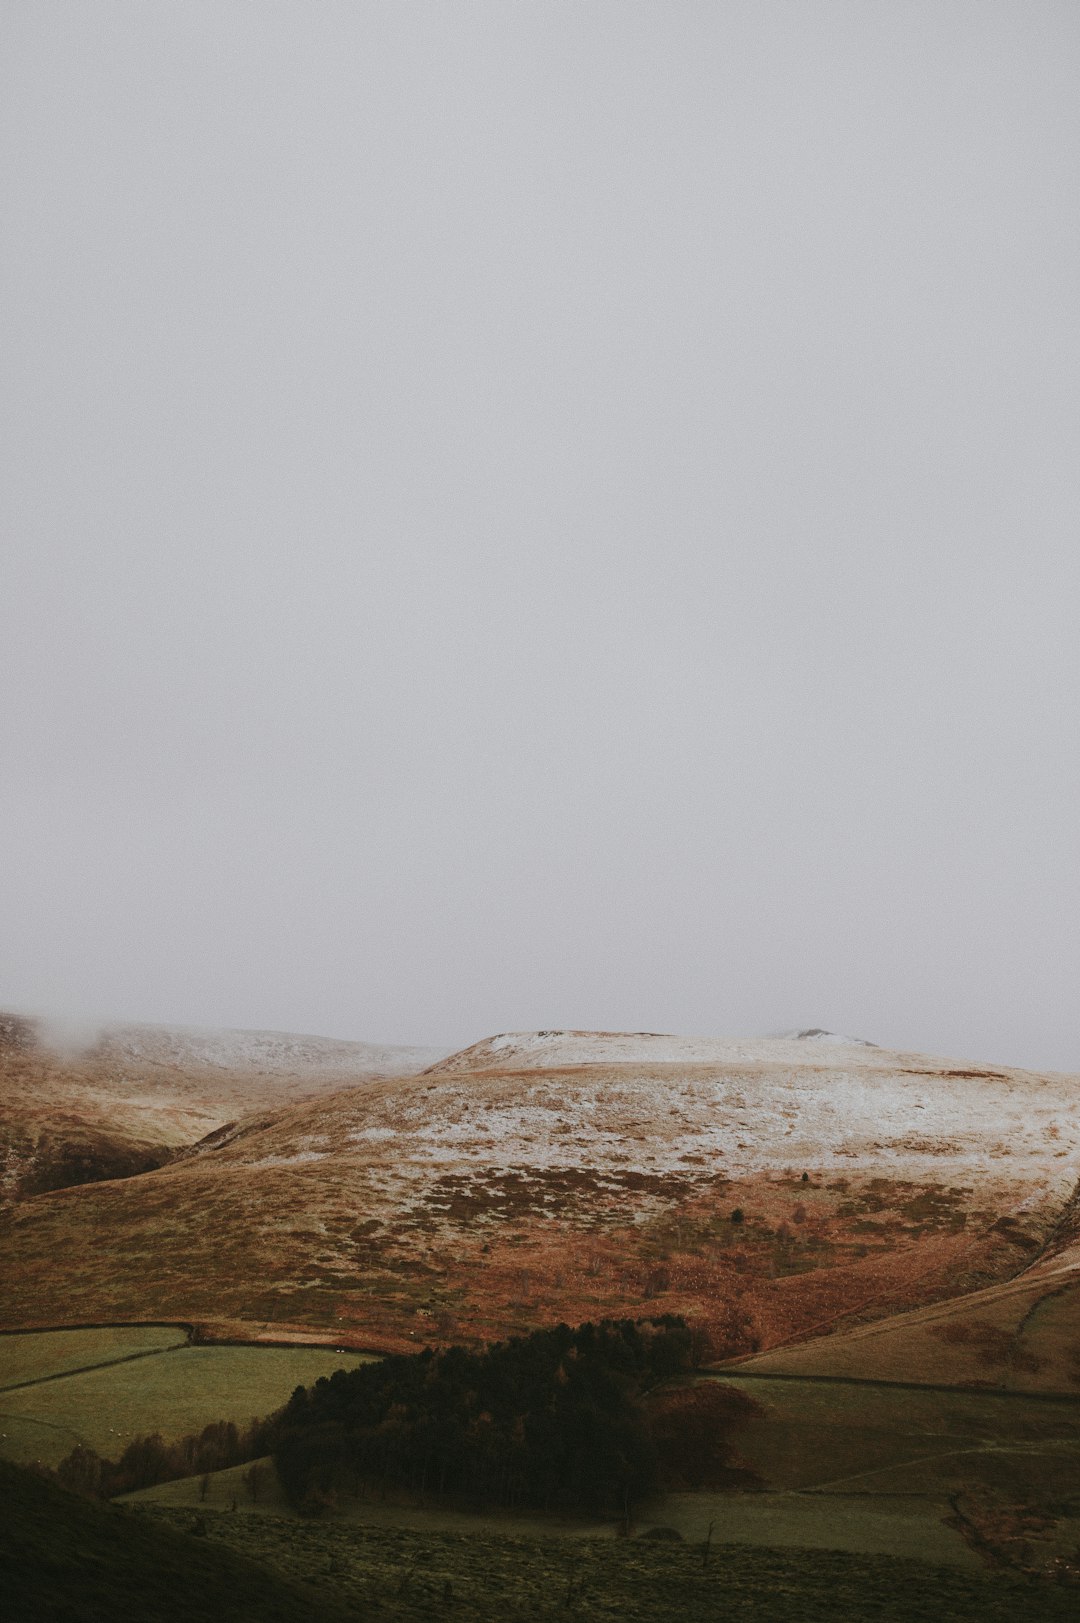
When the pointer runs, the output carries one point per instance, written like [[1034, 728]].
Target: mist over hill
[[81, 1103]]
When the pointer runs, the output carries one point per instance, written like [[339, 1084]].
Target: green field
[[864, 1469], [869, 1470], [36, 1355], [899, 1525], [887, 1440], [174, 1390]]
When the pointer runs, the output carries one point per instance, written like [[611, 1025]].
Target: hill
[[110, 1103], [769, 1190], [1021, 1335]]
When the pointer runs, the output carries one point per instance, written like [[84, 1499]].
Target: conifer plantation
[[556, 1420]]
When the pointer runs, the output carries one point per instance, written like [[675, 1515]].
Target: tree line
[[148, 1460], [555, 1420], [588, 1420]]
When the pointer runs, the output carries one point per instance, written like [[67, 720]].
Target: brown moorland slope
[[1021, 1335], [770, 1190], [124, 1099]]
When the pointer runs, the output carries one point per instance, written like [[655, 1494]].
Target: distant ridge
[[271, 1053], [84, 1103], [529, 1050]]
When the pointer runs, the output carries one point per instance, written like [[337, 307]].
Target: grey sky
[[544, 514]]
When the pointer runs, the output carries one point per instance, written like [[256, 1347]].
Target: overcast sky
[[544, 515]]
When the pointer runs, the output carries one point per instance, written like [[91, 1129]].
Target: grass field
[[869, 1469], [37, 1355], [1021, 1335], [904, 1526], [176, 1390], [881, 1439]]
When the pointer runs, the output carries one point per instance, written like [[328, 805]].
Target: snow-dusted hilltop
[[815, 1034], [545, 1050], [80, 1103], [661, 1104], [266, 1053]]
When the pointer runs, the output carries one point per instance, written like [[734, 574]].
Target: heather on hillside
[[555, 1420], [573, 1176]]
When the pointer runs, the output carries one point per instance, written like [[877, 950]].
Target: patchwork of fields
[[876, 1469], [42, 1355], [868, 1468], [884, 1438], [149, 1378]]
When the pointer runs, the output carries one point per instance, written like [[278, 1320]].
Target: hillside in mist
[[81, 1106]]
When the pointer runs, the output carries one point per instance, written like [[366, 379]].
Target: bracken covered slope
[[1020, 1335], [771, 1190]]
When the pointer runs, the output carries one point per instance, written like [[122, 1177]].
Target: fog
[[543, 515]]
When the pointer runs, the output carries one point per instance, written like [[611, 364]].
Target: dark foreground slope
[[66, 1560], [392, 1572]]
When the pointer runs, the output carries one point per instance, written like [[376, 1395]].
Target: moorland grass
[[384, 1572], [67, 1560]]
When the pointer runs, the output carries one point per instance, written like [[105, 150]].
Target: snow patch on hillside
[[843, 1112], [529, 1050]]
